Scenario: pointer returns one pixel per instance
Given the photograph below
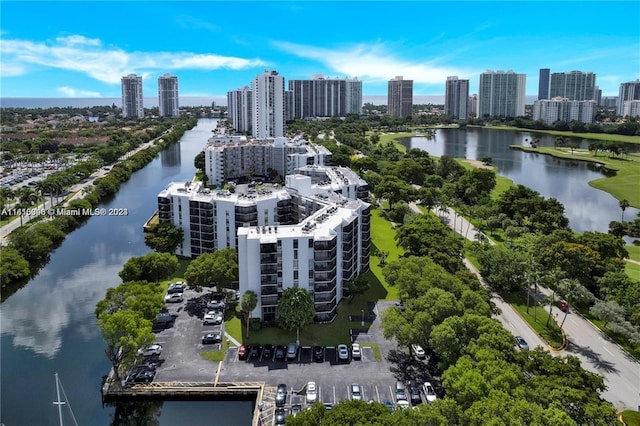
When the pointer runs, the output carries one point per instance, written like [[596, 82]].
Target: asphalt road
[[596, 351]]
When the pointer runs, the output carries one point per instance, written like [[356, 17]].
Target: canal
[[49, 325], [587, 208]]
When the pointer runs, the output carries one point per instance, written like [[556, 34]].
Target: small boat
[[60, 402]]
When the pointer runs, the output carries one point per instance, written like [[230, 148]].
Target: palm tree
[[248, 304], [623, 205]]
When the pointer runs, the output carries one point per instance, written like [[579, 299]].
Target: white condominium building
[[631, 109], [312, 234], [239, 108], [629, 91], [268, 118], [234, 156], [562, 109]]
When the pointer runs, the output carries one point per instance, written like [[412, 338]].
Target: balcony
[[324, 297], [268, 268], [320, 256], [269, 258], [269, 300], [266, 290]]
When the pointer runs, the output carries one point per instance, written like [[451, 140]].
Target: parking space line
[[391, 394], [334, 395], [378, 393]]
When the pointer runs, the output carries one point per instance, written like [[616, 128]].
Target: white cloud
[[372, 62], [70, 92], [106, 64]]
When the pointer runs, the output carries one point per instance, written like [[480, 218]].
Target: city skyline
[[72, 49]]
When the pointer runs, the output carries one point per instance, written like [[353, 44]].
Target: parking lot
[[182, 343]]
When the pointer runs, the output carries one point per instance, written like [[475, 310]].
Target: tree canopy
[[219, 268], [151, 267], [164, 237], [295, 309]]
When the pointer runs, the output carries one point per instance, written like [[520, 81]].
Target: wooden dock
[[258, 392]]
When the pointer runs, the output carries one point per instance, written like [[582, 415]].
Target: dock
[[262, 395]]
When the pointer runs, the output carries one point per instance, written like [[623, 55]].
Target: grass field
[[634, 252], [630, 418], [596, 136]]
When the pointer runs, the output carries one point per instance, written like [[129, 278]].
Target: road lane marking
[[605, 348], [215, 382]]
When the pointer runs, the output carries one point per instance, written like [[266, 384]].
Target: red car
[[242, 352]]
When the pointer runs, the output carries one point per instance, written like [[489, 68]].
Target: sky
[[82, 49]]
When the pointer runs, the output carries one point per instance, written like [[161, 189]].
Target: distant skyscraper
[[132, 97], [456, 98], [562, 109], [400, 97], [473, 105], [629, 91], [631, 109], [168, 96], [326, 97], [543, 84], [501, 94], [574, 85], [268, 105], [240, 109]]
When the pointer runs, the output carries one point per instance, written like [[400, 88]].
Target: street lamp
[[362, 321]]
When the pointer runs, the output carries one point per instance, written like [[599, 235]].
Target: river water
[[587, 208], [49, 326]]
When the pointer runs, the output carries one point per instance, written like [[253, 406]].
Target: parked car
[[177, 287], [356, 392], [145, 376], [281, 395], [312, 393], [280, 353], [267, 352], [401, 391], [255, 351], [389, 405], [418, 352], [414, 393], [242, 352], [403, 404], [522, 344], [318, 353], [292, 351], [212, 318], [173, 298], [163, 319], [295, 409], [343, 352], [328, 406], [356, 353], [152, 350], [211, 338], [215, 304], [429, 392], [280, 416]]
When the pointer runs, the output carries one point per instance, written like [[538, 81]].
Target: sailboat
[[60, 402]]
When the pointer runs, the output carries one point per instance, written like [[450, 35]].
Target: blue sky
[[82, 49]]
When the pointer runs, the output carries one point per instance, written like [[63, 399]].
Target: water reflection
[[587, 208]]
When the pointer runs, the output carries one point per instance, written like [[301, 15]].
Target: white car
[[418, 351], [429, 392], [312, 393], [173, 298], [343, 353], [152, 350], [356, 353], [212, 318], [356, 393]]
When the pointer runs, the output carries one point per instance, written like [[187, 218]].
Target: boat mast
[[58, 402]]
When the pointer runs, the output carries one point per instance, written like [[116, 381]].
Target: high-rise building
[[325, 97], [563, 109], [400, 97], [168, 96], [240, 109], [573, 85], [132, 106], [543, 83], [456, 98], [473, 105], [268, 118], [629, 91], [631, 109], [501, 94]]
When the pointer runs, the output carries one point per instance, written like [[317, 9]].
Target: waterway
[[49, 325], [587, 208]]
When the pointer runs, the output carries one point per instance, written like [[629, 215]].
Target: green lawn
[[624, 185], [630, 418], [632, 270], [634, 252]]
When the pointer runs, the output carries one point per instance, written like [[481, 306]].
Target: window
[[310, 243], [295, 244], [295, 275]]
